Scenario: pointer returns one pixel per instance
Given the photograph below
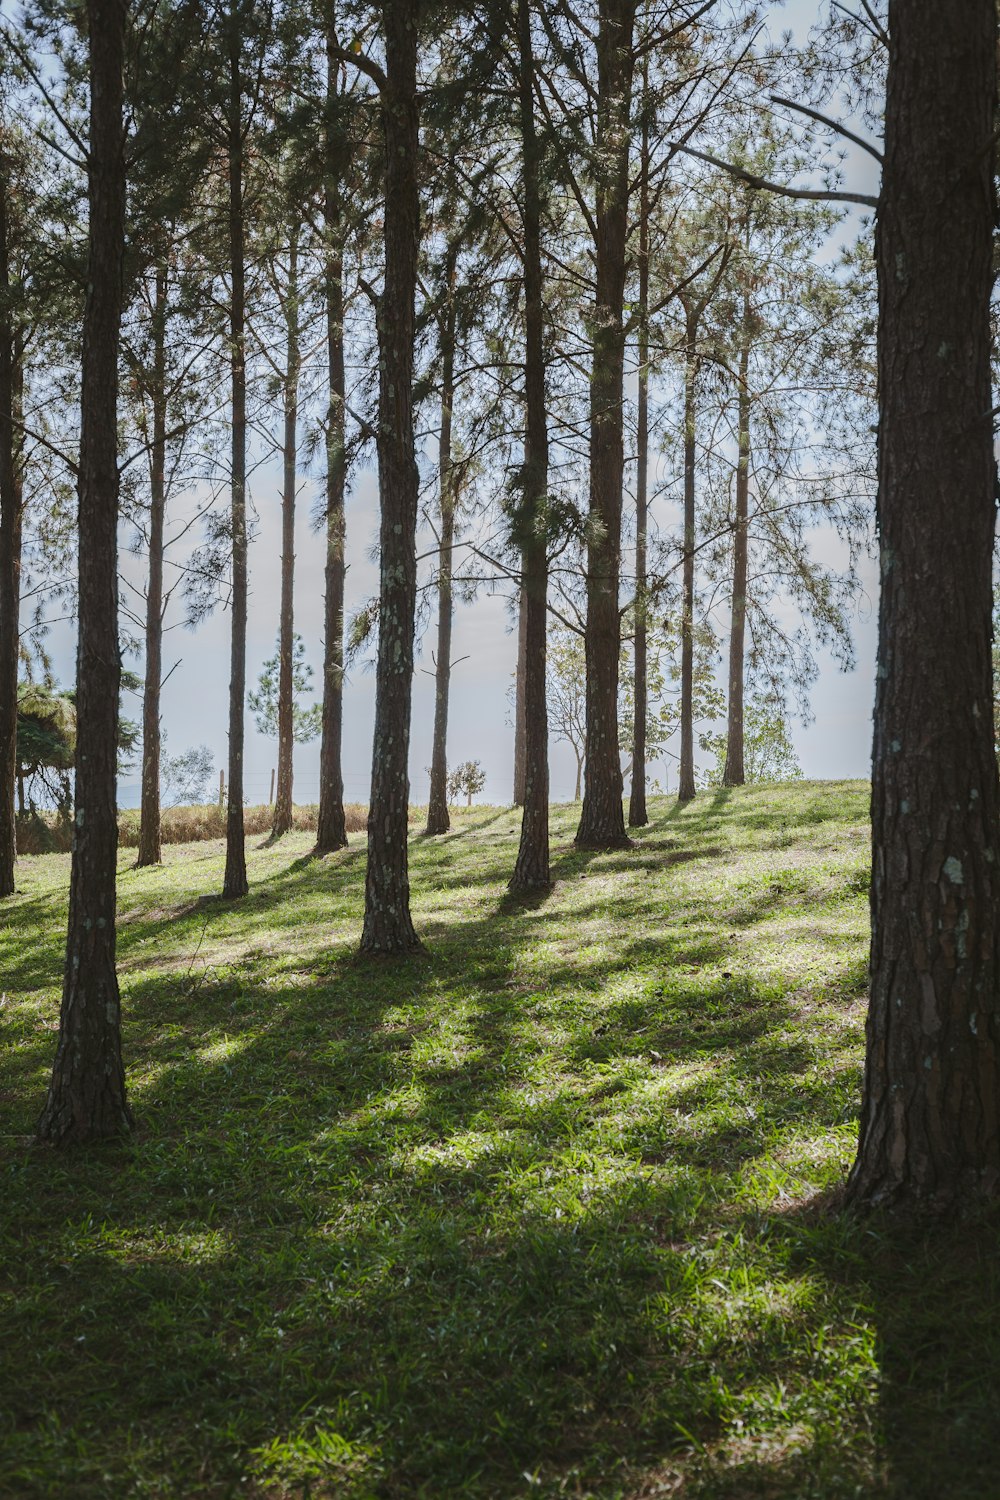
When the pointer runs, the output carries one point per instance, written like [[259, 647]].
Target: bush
[[46, 833]]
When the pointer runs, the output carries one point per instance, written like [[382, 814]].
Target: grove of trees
[[565, 272]]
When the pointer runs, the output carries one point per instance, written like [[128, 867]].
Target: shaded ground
[[546, 1211]]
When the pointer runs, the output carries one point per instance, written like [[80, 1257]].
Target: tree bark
[[686, 787], [602, 818], [149, 816], [86, 1098], [930, 1119], [11, 524], [519, 747], [235, 882], [331, 830], [388, 927], [282, 819], [733, 772], [637, 815], [438, 820], [531, 869]]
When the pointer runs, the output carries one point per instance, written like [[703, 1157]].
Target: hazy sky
[[195, 699]]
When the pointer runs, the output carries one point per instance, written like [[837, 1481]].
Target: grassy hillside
[[548, 1210]]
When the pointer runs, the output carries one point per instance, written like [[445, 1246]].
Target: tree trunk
[[149, 817], [602, 818], [282, 819], [86, 1098], [637, 815], [235, 880], [437, 806], [733, 772], [930, 1119], [531, 869], [686, 788], [331, 829], [387, 925], [11, 521], [519, 727]]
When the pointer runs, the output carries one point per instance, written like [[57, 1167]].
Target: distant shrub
[[46, 833]]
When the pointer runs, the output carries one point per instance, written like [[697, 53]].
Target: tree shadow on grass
[[927, 1298], [414, 1257], [319, 1230], [27, 941], [426, 1228], [936, 1298]]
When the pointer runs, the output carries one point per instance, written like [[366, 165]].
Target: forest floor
[[548, 1210]]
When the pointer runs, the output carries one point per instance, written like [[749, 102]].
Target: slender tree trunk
[[930, 1118], [531, 870], [519, 727], [686, 788], [235, 880], [387, 925], [331, 831], [437, 806], [149, 817], [602, 819], [637, 815], [579, 777], [11, 519], [86, 1098], [282, 820], [733, 773]]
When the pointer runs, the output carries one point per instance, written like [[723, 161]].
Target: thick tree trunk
[[602, 818], [686, 787], [733, 773], [235, 880], [149, 816], [930, 1119], [11, 520], [531, 869], [331, 830], [637, 815], [86, 1098], [282, 819], [519, 727], [387, 925], [438, 820]]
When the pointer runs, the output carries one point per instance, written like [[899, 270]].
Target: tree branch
[[817, 195], [364, 63], [814, 114]]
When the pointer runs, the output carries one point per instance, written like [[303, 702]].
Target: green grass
[[548, 1210]]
